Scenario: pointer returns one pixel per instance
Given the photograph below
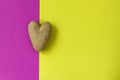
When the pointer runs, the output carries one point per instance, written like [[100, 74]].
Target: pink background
[[18, 60]]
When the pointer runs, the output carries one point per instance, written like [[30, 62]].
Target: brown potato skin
[[39, 34]]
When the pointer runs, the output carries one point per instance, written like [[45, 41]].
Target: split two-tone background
[[85, 41]]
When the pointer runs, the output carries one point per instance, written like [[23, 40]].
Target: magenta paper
[[18, 60]]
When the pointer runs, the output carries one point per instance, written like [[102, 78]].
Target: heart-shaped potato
[[39, 34]]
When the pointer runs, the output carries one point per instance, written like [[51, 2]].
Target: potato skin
[[39, 34]]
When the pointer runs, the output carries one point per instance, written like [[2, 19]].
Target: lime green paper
[[85, 42]]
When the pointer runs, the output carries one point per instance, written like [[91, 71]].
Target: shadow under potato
[[52, 39]]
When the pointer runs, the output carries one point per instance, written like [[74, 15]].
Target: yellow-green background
[[85, 41]]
